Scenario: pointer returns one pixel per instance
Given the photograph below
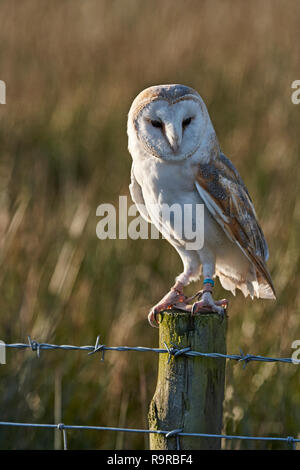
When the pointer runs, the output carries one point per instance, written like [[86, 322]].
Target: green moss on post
[[190, 390]]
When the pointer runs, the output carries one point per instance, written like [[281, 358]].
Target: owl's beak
[[174, 136]]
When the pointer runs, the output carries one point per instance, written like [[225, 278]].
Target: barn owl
[[176, 159]]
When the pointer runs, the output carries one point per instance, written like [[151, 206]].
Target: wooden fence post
[[190, 390]]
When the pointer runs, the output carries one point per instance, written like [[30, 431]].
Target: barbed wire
[[173, 350], [177, 433]]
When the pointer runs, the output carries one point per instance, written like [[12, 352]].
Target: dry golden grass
[[72, 69]]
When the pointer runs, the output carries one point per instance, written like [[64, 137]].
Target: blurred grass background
[[72, 69]]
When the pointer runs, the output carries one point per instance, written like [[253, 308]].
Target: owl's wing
[[138, 198], [227, 198]]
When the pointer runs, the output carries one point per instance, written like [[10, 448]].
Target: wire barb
[[245, 358], [175, 350], [35, 346], [98, 347]]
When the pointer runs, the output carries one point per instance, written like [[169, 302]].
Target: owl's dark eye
[[186, 122], [156, 123]]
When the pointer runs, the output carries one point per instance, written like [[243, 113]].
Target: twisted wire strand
[[173, 350]]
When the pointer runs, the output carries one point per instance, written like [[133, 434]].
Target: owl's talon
[[208, 305], [198, 295], [152, 318], [223, 303], [174, 298]]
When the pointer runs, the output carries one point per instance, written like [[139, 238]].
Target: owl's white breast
[[164, 182], [174, 183], [169, 183]]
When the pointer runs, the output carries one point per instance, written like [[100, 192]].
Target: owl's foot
[[174, 298], [208, 304]]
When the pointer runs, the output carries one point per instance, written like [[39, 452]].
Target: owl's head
[[170, 122]]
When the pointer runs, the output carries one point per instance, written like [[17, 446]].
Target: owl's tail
[[257, 287]]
